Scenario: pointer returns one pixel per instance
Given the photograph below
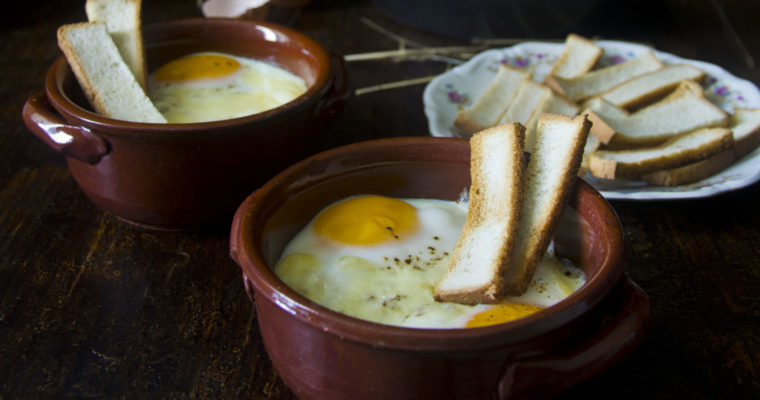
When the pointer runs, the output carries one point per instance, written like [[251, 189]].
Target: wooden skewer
[[411, 53], [393, 85]]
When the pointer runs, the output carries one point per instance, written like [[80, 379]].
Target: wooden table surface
[[91, 307]]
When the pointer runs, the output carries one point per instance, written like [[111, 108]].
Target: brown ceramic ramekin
[[187, 176], [322, 354]]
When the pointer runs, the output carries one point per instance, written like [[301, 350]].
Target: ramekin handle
[[235, 247], [549, 375], [236, 230], [73, 141]]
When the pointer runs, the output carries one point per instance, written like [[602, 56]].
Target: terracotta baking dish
[[188, 176], [322, 354]]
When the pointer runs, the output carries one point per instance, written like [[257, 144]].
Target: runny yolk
[[502, 313], [197, 67], [367, 220]]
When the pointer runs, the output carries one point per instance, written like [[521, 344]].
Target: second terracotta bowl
[[322, 354], [188, 176]]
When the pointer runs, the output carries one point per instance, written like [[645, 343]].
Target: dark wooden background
[[93, 308]]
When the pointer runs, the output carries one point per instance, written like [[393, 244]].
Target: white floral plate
[[456, 88]]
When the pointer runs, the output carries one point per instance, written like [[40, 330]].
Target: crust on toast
[[552, 103], [745, 125], [745, 128], [526, 101], [487, 108], [679, 151], [578, 57], [106, 80], [122, 19], [496, 192], [692, 172], [592, 144], [466, 126], [600, 80], [549, 178], [684, 110], [646, 88], [600, 129]]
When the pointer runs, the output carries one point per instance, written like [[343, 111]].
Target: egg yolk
[[502, 313], [197, 67], [367, 220]]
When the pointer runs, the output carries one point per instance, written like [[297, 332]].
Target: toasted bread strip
[[745, 128], [106, 80], [676, 152], [692, 172], [745, 124], [599, 128], [525, 103], [549, 178], [684, 110], [578, 57], [645, 88], [497, 166], [592, 145], [559, 104], [122, 19], [552, 103], [599, 134], [601, 80], [486, 110]]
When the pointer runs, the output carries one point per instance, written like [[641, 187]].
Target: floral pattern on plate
[[455, 89]]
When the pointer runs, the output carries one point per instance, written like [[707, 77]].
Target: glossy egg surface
[[379, 258], [212, 86]]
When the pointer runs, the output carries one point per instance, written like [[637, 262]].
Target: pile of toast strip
[[651, 122]]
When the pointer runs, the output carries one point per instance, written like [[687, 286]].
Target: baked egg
[[214, 86], [379, 258]]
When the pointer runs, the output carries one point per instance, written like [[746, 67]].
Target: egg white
[[255, 87], [393, 283]]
